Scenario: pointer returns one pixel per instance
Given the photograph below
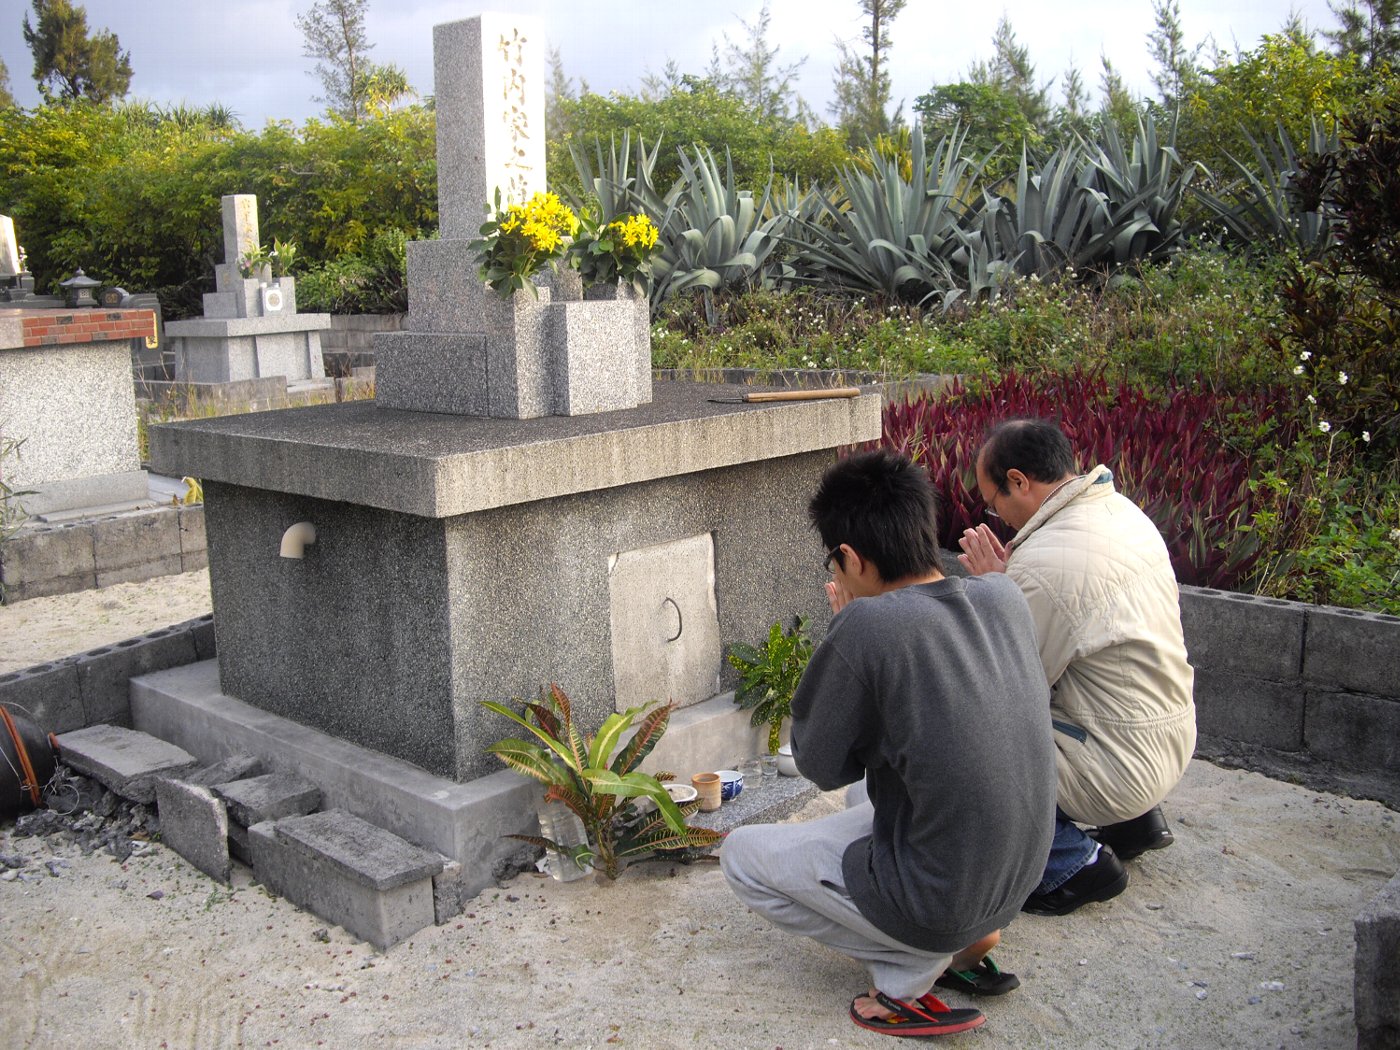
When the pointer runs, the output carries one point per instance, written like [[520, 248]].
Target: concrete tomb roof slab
[[438, 466]]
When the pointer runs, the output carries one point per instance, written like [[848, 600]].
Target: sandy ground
[[41, 629], [1240, 935]]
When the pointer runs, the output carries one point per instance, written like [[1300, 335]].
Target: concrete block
[[1377, 971], [125, 541], [1354, 731], [1353, 651], [47, 552], [1249, 709], [193, 561], [1243, 634], [597, 361], [224, 771], [238, 847], [713, 734], [269, 797], [444, 292], [349, 872], [48, 693], [168, 566], [775, 799], [191, 519], [123, 760], [104, 674], [202, 632], [449, 899], [194, 823]]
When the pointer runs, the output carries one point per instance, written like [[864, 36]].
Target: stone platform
[[460, 559]]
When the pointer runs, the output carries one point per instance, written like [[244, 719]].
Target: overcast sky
[[246, 54]]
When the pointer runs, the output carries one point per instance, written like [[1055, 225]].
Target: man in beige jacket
[[1099, 582]]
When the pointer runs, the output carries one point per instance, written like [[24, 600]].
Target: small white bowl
[[787, 766], [731, 784], [682, 793]]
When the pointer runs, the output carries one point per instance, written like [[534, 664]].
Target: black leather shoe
[[1099, 881], [1133, 838]]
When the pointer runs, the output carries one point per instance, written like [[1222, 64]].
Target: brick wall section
[[56, 328]]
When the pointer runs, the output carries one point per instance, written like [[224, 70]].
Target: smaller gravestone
[[251, 328], [9, 248]]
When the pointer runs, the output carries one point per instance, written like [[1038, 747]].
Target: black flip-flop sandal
[[926, 1016], [986, 978]]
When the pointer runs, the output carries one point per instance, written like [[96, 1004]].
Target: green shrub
[[371, 282]]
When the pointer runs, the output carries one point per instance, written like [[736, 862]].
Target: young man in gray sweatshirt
[[931, 691]]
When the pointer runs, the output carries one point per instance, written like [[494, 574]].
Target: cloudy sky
[[246, 54]]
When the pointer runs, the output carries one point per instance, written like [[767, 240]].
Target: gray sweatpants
[[791, 875]]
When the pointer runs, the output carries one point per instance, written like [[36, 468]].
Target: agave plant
[[1262, 204], [1143, 188], [714, 235], [583, 773], [618, 179], [888, 234]]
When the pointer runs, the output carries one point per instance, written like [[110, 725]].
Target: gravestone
[[251, 328], [464, 349], [472, 540]]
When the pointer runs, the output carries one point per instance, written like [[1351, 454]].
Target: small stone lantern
[[77, 290]]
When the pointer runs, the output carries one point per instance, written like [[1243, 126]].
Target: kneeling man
[[931, 690]]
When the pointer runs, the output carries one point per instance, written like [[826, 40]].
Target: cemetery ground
[[1239, 935]]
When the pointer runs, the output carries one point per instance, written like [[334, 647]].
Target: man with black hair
[[1108, 622], [930, 690]]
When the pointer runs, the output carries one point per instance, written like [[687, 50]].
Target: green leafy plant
[[284, 257], [768, 676], [255, 261], [583, 773], [522, 239], [621, 250]]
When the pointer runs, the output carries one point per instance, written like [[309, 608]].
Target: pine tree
[[751, 72], [1177, 72], [1370, 31], [334, 35], [6, 99], [66, 57], [862, 81]]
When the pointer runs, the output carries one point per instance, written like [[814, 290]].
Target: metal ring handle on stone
[[679, 622]]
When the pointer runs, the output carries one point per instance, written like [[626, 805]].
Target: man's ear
[[1015, 479], [851, 560]]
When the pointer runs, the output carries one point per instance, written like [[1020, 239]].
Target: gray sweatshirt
[[935, 694]]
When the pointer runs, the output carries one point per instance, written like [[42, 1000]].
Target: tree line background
[[130, 190]]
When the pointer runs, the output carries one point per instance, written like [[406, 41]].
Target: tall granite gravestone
[[463, 348], [472, 543], [251, 328]]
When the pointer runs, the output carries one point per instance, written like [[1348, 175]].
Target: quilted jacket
[[1100, 585]]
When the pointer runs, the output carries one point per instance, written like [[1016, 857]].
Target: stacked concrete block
[[1248, 656], [264, 798], [349, 342], [45, 559], [1377, 971], [1351, 675], [126, 762], [373, 883]]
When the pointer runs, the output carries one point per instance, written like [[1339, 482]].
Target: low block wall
[[98, 552], [92, 688], [349, 342], [1314, 681]]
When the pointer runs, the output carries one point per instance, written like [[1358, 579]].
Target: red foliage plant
[[1168, 453]]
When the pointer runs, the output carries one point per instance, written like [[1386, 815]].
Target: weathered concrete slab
[[1377, 980], [194, 823], [123, 760], [358, 849], [334, 888], [269, 797], [449, 896], [441, 466]]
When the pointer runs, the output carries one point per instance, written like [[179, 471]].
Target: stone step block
[[268, 797], [1376, 994], [348, 871], [123, 760], [775, 799], [225, 770], [194, 823]]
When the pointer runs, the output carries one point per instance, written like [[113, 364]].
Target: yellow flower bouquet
[[522, 239], [620, 250]]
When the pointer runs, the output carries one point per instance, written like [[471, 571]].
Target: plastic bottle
[[560, 824]]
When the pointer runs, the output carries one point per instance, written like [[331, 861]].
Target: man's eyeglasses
[[833, 555], [990, 510]]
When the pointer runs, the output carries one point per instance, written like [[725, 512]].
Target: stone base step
[[348, 871], [774, 799], [125, 761]]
